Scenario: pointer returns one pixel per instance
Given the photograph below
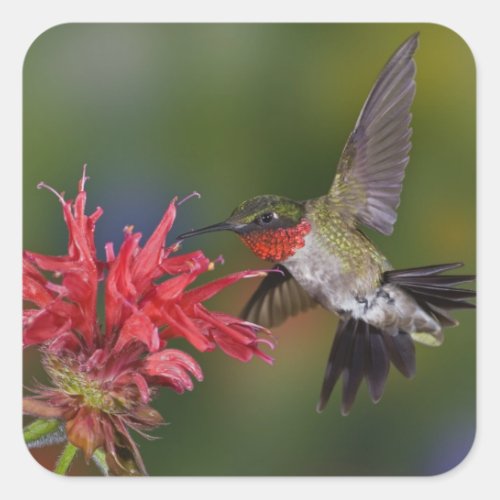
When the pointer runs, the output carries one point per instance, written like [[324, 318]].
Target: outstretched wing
[[370, 172], [277, 297]]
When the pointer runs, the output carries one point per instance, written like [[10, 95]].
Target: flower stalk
[[66, 459], [99, 458]]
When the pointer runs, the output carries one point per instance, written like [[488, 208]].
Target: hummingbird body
[[322, 256], [343, 261], [341, 269]]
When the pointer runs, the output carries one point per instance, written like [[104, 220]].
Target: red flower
[[104, 379]]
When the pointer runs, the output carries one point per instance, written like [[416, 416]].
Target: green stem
[[40, 428], [99, 457], [66, 459]]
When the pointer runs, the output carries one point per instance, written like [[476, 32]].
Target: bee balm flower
[[104, 378]]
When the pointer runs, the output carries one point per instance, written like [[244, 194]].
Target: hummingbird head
[[273, 227]]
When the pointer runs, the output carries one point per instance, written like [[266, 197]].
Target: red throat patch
[[277, 244]]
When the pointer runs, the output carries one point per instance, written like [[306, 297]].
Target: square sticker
[[253, 233]]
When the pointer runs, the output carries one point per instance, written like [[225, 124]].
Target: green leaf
[[40, 429]]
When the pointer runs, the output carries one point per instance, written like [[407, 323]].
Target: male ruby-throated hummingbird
[[326, 259]]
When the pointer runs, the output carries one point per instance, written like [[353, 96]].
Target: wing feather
[[278, 296], [370, 172]]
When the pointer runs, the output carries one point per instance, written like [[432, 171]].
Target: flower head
[[103, 379]]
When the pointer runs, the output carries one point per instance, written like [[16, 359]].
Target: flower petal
[[147, 417], [66, 341], [210, 318], [80, 261], [35, 285], [138, 380], [120, 291], [205, 292], [130, 445], [172, 367], [41, 409], [43, 326], [85, 431], [156, 361], [173, 288], [145, 267], [185, 263], [138, 327], [183, 326]]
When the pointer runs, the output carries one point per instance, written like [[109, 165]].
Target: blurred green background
[[233, 111]]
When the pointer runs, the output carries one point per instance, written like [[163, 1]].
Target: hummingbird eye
[[267, 217]]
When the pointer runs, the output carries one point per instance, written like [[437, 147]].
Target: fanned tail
[[361, 350]]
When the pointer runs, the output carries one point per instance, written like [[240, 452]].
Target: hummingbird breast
[[337, 263], [329, 278]]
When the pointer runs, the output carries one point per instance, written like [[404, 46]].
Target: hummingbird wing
[[278, 296], [370, 171]]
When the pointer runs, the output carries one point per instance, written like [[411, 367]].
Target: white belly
[[323, 277]]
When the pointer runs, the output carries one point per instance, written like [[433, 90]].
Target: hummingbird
[[322, 257]]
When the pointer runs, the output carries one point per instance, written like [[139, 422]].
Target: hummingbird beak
[[221, 226]]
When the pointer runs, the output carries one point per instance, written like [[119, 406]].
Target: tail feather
[[444, 318], [356, 362], [337, 359], [424, 271], [360, 350], [402, 352], [436, 281], [377, 366], [440, 301], [444, 292], [434, 292]]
